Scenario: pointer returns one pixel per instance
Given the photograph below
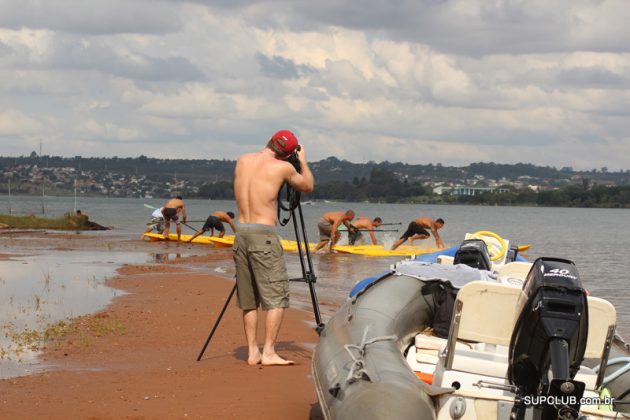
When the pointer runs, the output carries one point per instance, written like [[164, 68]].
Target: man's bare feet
[[254, 359], [275, 360]]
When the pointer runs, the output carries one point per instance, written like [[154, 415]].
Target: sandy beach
[[145, 367]]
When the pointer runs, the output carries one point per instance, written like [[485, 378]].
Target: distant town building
[[465, 190]]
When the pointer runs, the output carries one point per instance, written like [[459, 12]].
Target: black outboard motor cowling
[[551, 331], [474, 253]]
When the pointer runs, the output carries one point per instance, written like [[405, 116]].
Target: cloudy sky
[[418, 81]]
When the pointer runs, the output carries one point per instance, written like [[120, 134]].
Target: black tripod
[[308, 275]]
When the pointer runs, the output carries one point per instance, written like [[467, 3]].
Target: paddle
[[378, 230]]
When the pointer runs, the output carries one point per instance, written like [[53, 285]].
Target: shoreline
[[137, 357]]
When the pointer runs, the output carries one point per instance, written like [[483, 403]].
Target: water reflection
[[39, 290], [162, 257]]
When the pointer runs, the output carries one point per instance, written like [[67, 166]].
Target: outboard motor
[[550, 332], [474, 253], [511, 255]]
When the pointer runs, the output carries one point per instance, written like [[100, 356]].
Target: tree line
[[384, 186]]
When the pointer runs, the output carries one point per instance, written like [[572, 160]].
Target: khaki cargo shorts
[[261, 273]]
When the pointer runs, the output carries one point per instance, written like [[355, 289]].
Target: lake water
[[597, 240]]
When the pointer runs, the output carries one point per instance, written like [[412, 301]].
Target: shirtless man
[[215, 221], [170, 212], [363, 223], [328, 225], [417, 229], [261, 273]]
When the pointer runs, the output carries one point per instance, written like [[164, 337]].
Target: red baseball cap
[[284, 142]]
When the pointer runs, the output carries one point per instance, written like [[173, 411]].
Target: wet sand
[[146, 367]]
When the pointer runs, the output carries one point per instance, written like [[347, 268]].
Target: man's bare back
[[333, 216], [176, 203], [425, 222], [257, 180], [225, 218]]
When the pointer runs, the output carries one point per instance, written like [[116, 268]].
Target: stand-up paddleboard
[[184, 238], [225, 242], [381, 251], [291, 246]]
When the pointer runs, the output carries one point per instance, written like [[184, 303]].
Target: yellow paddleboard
[[381, 251], [173, 237], [229, 241], [291, 246], [226, 241]]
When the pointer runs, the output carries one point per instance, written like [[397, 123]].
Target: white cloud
[[450, 82], [15, 123]]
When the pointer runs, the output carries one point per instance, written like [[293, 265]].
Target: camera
[[294, 160]]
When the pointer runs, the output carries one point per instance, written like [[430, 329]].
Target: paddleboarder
[[171, 212], [157, 222], [417, 229], [363, 223], [215, 221], [328, 225]]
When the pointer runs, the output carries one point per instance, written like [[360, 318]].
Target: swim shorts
[[170, 214], [261, 273], [354, 236], [325, 231], [414, 229], [213, 222]]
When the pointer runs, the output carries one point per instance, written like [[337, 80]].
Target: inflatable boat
[[481, 334]]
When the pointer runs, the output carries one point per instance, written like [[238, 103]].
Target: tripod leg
[[308, 274], [216, 324]]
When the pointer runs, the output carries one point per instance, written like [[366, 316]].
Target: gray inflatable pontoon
[[359, 365], [371, 379]]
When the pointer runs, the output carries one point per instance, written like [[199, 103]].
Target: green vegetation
[[569, 196], [30, 339], [68, 222], [83, 328], [383, 186]]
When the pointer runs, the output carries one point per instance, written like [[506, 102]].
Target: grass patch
[[33, 340], [68, 221], [83, 329], [101, 327]]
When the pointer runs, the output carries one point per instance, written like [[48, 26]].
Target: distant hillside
[[329, 169], [335, 179]]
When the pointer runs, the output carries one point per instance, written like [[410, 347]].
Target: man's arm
[[183, 212], [334, 234], [436, 235], [232, 225], [372, 235], [303, 182]]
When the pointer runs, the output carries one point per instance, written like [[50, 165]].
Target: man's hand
[[301, 154], [184, 219]]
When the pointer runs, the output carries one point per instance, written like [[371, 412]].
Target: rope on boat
[[357, 369]]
